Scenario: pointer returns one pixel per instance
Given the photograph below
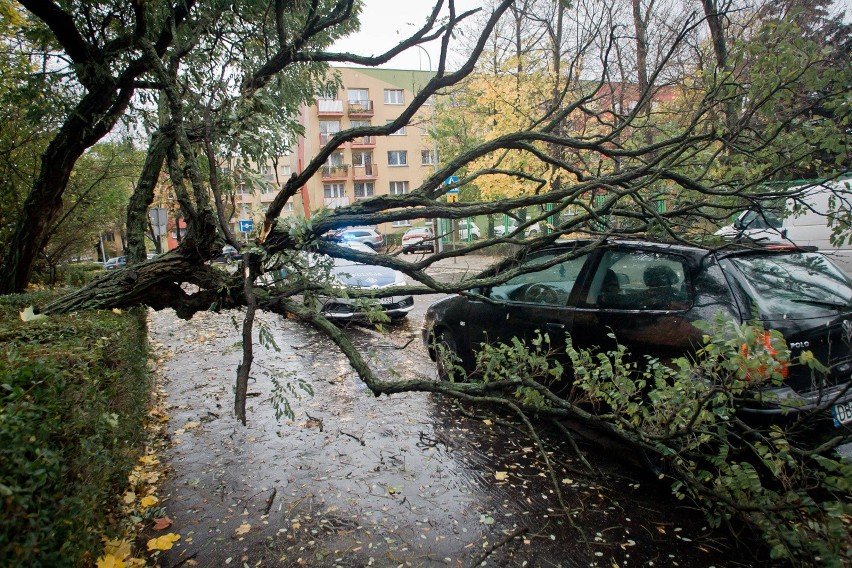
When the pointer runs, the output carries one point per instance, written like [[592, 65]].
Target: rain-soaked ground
[[407, 480]]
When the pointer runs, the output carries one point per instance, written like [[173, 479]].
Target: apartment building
[[364, 167]]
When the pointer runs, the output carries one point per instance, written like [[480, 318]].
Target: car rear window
[[794, 286]]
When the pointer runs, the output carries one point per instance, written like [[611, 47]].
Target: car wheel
[[446, 356]]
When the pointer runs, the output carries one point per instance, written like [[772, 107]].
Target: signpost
[[246, 225], [452, 194]]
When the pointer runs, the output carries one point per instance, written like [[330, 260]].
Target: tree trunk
[[720, 49], [143, 196]]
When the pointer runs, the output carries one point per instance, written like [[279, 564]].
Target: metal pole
[[435, 161]]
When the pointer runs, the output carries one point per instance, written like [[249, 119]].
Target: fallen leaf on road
[[501, 475], [165, 542], [162, 523], [148, 501], [109, 561], [242, 529]]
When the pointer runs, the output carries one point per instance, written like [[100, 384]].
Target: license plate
[[385, 301], [842, 413]]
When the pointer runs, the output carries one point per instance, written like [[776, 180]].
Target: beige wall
[[335, 185]]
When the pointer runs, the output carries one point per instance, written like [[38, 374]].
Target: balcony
[[363, 142], [366, 172], [360, 108], [335, 172], [329, 107], [332, 202]]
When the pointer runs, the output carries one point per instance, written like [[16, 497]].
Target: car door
[[530, 302], [642, 296]]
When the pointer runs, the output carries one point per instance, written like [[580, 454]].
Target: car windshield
[[796, 286]]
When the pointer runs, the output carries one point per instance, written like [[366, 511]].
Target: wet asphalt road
[[407, 480]]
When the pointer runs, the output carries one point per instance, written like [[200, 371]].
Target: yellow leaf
[[567, 481], [165, 542], [243, 529], [116, 311], [109, 561], [191, 425], [29, 315], [148, 501], [487, 422], [149, 460], [118, 548], [129, 497], [501, 475]]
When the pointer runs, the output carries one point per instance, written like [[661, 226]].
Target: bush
[[74, 393], [782, 479]]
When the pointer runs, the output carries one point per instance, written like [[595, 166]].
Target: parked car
[[649, 295], [502, 230], [364, 235], [115, 262], [466, 225], [229, 254], [360, 277], [417, 239], [806, 222]]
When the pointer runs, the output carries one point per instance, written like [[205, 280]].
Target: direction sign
[[246, 225], [451, 180]]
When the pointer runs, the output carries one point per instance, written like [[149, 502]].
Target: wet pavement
[[407, 480]]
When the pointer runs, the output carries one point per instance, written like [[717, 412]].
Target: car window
[[551, 285], [794, 286], [639, 280]]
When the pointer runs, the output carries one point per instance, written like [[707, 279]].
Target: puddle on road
[[402, 480]]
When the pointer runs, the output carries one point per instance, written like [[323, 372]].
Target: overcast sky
[[384, 23]]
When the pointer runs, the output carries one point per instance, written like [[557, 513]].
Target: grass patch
[[74, 391]]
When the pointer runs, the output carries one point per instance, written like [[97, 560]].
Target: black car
[[649, 295]]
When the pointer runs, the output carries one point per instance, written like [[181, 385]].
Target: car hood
[[828, 338]]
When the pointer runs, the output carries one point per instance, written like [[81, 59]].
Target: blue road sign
[[246, 225], [451, 180]]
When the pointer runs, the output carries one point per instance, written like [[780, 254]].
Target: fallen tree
[[583, 161]]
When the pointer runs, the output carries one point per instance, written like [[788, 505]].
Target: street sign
[[246, 225], [451, 180], [452, 197]]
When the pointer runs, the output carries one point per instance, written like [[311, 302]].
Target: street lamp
[[435, 161]]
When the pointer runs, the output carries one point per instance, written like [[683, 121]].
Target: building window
[[427, 157], [109, 237], [398, 187], [399, 132], [397, 158], [394, 97], [358, 123], [286, 171], [289, 206], [333, 190], [364, 189], [243, 189], [362, 158], [328, 128], [358, 96]]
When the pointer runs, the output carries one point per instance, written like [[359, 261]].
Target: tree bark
[[143, 196]]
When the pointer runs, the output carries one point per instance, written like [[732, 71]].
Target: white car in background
[[501, 230], [417, 239], [465, 226]]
